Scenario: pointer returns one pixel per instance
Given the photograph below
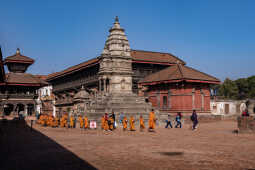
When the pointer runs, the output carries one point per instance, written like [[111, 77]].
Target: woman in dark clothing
[[194, 119]]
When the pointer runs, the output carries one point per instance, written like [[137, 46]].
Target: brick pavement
[[212, 146]]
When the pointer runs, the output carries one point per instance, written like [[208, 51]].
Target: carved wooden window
[[164, 101]]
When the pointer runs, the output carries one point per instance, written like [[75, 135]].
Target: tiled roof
[[72, 69], [179, 72], [43, 77], [19, 58], [24, 78], [137, 56]]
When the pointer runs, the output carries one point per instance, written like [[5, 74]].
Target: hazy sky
[[216, 37]]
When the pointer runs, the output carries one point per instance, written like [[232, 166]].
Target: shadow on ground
[[24, 149], [171, 153]]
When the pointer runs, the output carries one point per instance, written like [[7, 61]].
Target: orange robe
[[65, 121], [152, 120], [132, 123], [81, 121], [141, 123], [106, 126], [125, 122], [62, 123], [51, 120], [102, 122], [72, 122], [56, 122], [86, 122]]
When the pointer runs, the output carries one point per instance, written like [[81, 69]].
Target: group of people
[[178, 118], [109, 123], [64, 121]]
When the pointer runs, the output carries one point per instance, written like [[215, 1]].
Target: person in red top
[[245, 112]]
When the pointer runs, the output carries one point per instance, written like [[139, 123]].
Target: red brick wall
[[181, 96]]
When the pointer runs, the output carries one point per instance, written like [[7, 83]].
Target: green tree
[[243, 88], [251, 87], [228, 89]]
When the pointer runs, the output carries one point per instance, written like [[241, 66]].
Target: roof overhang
[[178, 80]]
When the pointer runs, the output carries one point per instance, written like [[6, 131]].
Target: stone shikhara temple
[[130, 81]]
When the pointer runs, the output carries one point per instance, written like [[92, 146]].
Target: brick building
[[178, 88]]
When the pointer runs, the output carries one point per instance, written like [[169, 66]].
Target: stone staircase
[[127, 103]]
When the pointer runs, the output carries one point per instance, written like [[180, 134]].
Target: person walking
[[121, 117], [168, 122], [194, 120], [178, 120], [152, 121], [142, 126], [114, 123]]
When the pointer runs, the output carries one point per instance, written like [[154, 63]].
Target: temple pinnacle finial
[[18, 51], [116, 19]]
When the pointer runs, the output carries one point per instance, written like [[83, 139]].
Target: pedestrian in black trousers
[[168, 122], [194, 120]]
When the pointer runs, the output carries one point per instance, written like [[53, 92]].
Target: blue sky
[[216, 37]]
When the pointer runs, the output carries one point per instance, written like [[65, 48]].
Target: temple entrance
[[30, 109], [8, 109]]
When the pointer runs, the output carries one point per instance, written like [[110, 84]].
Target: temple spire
[[117, 43], [18, 51], [116, 19]]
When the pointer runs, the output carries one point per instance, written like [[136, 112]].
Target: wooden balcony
[[18, 96]]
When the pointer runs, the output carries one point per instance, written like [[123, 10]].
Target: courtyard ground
[[213, 146]]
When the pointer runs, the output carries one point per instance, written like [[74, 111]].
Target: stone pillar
[[104, 85], [193, 98], [99, 86], [203, 100]]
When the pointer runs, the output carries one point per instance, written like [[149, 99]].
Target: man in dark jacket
[[194, 119]]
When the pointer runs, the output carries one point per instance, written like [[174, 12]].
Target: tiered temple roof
[[17, 65], [178, 73]]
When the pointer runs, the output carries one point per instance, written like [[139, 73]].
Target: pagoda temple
[[18, 89]]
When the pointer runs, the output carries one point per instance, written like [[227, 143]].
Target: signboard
[[93, 124]]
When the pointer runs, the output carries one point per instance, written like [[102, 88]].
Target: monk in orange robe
[[65, 121], [102, 122], [106, 125], [62, 122], [71, 122], [56, 119], [141, 123], [152, 121], [81, 122], [86, 122], [132, 123], [124, 123]]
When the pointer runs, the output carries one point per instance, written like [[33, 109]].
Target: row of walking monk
[[107, 123]]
